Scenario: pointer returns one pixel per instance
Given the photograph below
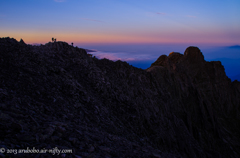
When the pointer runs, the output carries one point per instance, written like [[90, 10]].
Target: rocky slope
[[55, 95]]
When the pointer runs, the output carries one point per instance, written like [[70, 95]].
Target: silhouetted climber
[[55, 40], [72, 44], [52, 39]]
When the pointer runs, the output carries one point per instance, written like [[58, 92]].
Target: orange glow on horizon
[[42, 38]]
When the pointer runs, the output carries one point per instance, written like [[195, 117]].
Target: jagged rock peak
[[194, 54], [22, 42], [172, 53], [174, 57], [161, 61], [164, 60]]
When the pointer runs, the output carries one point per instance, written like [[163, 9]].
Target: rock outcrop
[[55, 95]]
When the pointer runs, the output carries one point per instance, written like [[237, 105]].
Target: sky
[[137, 31], [122, 21]]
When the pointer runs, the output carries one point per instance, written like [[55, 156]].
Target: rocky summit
[[57, 97]]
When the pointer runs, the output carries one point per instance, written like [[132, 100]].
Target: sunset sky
[[122, 21]]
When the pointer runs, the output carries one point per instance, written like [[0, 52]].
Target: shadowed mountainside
[[55, 95]]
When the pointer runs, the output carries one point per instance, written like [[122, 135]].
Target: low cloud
[[91, 19], [91, 50], [109, 56], [113, 56]]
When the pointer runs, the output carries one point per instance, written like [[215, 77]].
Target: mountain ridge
[[56, 95]]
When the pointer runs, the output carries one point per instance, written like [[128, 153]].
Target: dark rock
[[161, 61], [2, 155], [56, 95], [91, 149], [16, 127], [194, 54], [104, 148], [174, 57], [22, 42], [73, 140], [25, 137]]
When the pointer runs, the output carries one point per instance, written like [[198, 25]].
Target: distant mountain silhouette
[[236, 77], [55, 95], [36, 44], [235, 47]]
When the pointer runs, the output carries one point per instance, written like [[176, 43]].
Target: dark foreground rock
[[55, 96]]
